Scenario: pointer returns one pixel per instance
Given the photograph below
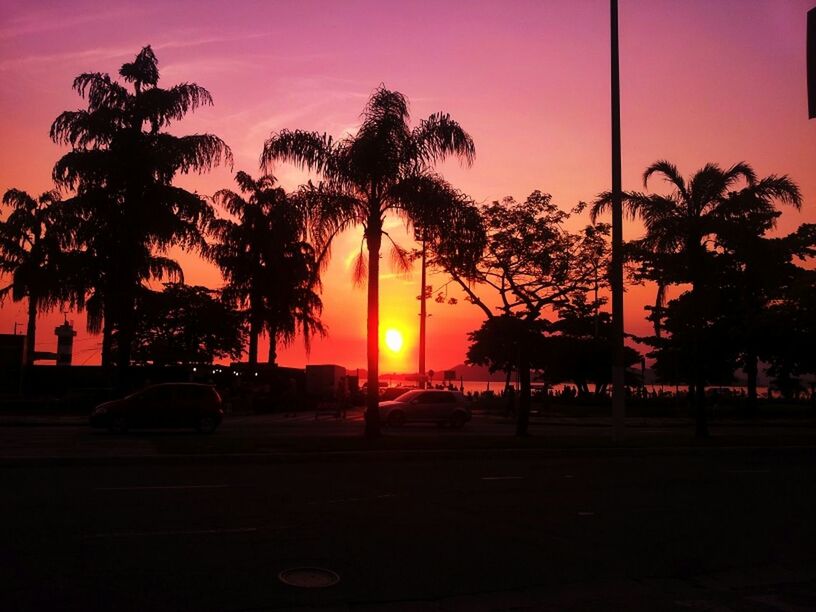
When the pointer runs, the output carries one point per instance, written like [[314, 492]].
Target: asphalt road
[[725, 529], [68, 438]]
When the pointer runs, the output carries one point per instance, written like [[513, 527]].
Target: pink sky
[[701, 81]]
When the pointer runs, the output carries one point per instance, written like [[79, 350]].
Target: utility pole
[[423, 315], [616, 276]]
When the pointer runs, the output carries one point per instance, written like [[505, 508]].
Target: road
[[269, 434], [710, 529]]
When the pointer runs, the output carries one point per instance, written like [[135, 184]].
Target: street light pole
[[616, 276], [423, 315]]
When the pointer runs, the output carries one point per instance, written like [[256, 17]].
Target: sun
[[393, 340]]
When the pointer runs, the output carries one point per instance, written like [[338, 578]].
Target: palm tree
[[269, 267], [384, 167], [681, 225], [126, 210], [30, 252]]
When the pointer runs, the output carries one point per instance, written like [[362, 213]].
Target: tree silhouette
[[385, 167], [680, 226], [269, 267], [185, 325], [31, 252], [531, 265], [121, 164]]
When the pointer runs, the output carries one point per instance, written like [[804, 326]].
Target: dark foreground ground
[[429, 520]]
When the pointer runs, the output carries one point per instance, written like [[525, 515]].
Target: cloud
[[42, 20], [179, 40]]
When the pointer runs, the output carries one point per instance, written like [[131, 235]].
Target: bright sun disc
[[393, 340]]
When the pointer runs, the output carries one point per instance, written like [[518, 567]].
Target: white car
[[426, 406]]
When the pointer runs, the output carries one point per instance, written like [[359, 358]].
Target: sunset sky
[[701, 81]]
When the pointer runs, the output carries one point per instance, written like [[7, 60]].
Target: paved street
[[68, 438], [685, 528]]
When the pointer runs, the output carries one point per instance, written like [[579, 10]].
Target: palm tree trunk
[[698, 399], [372, 413], [273, 346], [31, 330], [254, 332], [124, 342], [107, 334]]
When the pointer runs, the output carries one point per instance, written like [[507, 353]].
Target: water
[[496, 385]]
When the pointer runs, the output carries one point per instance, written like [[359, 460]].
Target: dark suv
[[164, 405]]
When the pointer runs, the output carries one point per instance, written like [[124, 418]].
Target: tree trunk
[[31, 331], [523, 419], [510, 402], [125, 341], [107, 340], [698, 375], [751, 370], [372, 413], [254, 332], [273, 346], [701, 430]]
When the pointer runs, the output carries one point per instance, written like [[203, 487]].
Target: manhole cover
[[309, 577]]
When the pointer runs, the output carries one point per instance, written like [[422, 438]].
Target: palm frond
[[308, 150], [670, 173], [359, 269], [161, 106], [439, 136], [144, 70]]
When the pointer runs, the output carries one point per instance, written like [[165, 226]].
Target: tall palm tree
[[270, 269], [385, 167], [122, 166], [680, 226], [30, 252]]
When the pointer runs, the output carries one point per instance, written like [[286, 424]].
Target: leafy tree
[[678, 354], [790, 334], [32, 254], [762, 276], [270, 269], [185, 325], [532, 265], [679, 228], [580, 347], [122, 163], [385, 167]]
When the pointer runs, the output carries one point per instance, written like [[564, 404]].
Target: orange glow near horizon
[[700, 81]]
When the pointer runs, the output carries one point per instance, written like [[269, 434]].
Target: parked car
[[163, 405], [426, 406], [391, 393]]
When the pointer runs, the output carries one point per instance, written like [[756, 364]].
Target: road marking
[[502, 477], [139, 534], [343, 500], [152, 488], [747, 471]]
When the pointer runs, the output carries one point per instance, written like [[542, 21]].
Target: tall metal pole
[[616, 276], [423, 315]]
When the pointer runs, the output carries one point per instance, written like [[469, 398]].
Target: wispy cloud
[[177, 41], [42, 20]]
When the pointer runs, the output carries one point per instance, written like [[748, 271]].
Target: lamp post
[[423, 315], [616, 275]]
